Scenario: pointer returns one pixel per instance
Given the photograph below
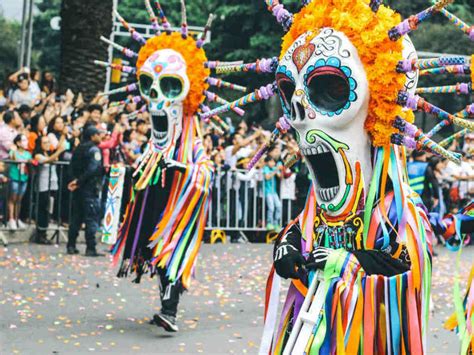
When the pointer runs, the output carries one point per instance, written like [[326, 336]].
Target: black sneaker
[[165, 321], [93, 253], [72, 250], [43, 240]]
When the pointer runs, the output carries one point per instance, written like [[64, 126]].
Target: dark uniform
[[87, 167], [423, 181]]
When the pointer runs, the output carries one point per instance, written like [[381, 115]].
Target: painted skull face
[[164, 85], [324, 93]]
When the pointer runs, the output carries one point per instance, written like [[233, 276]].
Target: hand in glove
[[318, 257], [170, 163], [287, 258]]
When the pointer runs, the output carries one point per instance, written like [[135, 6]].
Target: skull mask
[[323, 90], [165, 85]]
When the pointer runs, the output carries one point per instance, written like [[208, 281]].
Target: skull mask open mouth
[[323, 90], [165, 85]]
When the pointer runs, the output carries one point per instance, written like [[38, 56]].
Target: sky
[[11, 9]]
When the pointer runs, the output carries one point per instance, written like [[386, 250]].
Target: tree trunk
[[82, 24]]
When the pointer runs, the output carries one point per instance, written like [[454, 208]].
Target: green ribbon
[[332, 270]]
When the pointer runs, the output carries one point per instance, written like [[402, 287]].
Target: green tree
[[9, 38], [83, 22], [46, 43]]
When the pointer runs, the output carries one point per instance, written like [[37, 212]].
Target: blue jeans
[[273, 208], [18, 187]]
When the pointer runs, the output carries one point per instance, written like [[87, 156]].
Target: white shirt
[[288, 188]]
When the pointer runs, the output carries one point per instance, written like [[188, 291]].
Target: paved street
[[51, 303]]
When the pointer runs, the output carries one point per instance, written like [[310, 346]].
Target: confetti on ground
[[51, 302]]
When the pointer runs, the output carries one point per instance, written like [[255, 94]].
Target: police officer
[[87, 172]]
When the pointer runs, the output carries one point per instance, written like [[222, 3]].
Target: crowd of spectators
[[39, 127]]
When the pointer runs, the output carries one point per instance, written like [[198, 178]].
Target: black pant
[[42, 221], [85, 208], [169, 294]]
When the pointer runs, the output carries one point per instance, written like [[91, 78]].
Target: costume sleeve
[[290, 234], [110, 143], [376, 262], [93, 166]]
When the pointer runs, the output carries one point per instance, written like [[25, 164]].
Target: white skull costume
[[339, 82], [164, 84], [173, 177]]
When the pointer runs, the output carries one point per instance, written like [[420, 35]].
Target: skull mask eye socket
[[145, 84], [328, 88], [286, 88], [171, 86]]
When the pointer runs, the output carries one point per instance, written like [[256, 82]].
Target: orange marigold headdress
[[191, 49], [195, 59], [375, 30], [368, 33]]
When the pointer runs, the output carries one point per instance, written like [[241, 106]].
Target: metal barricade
[[46, 202], [237, 204]]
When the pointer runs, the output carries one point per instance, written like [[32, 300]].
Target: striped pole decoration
[[459, 88], [135, 99], [127, 88], [263, 93], [408, 65], [264, 65], [114, 66], [161, 14], [415, 102], [449, 69], [213, 64], [225, 84], [445, 142], [469, 30], [135, 35], [212, 97], [153, 18], [126, 51], [413, 21], [414, 138], [283, 16]]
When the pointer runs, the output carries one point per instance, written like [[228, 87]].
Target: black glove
[[286, 259], [317, 258]]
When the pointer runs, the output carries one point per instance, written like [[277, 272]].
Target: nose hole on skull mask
[[153, 94], [297, 112]]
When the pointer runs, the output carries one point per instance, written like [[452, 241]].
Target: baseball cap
[[91, 131]]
